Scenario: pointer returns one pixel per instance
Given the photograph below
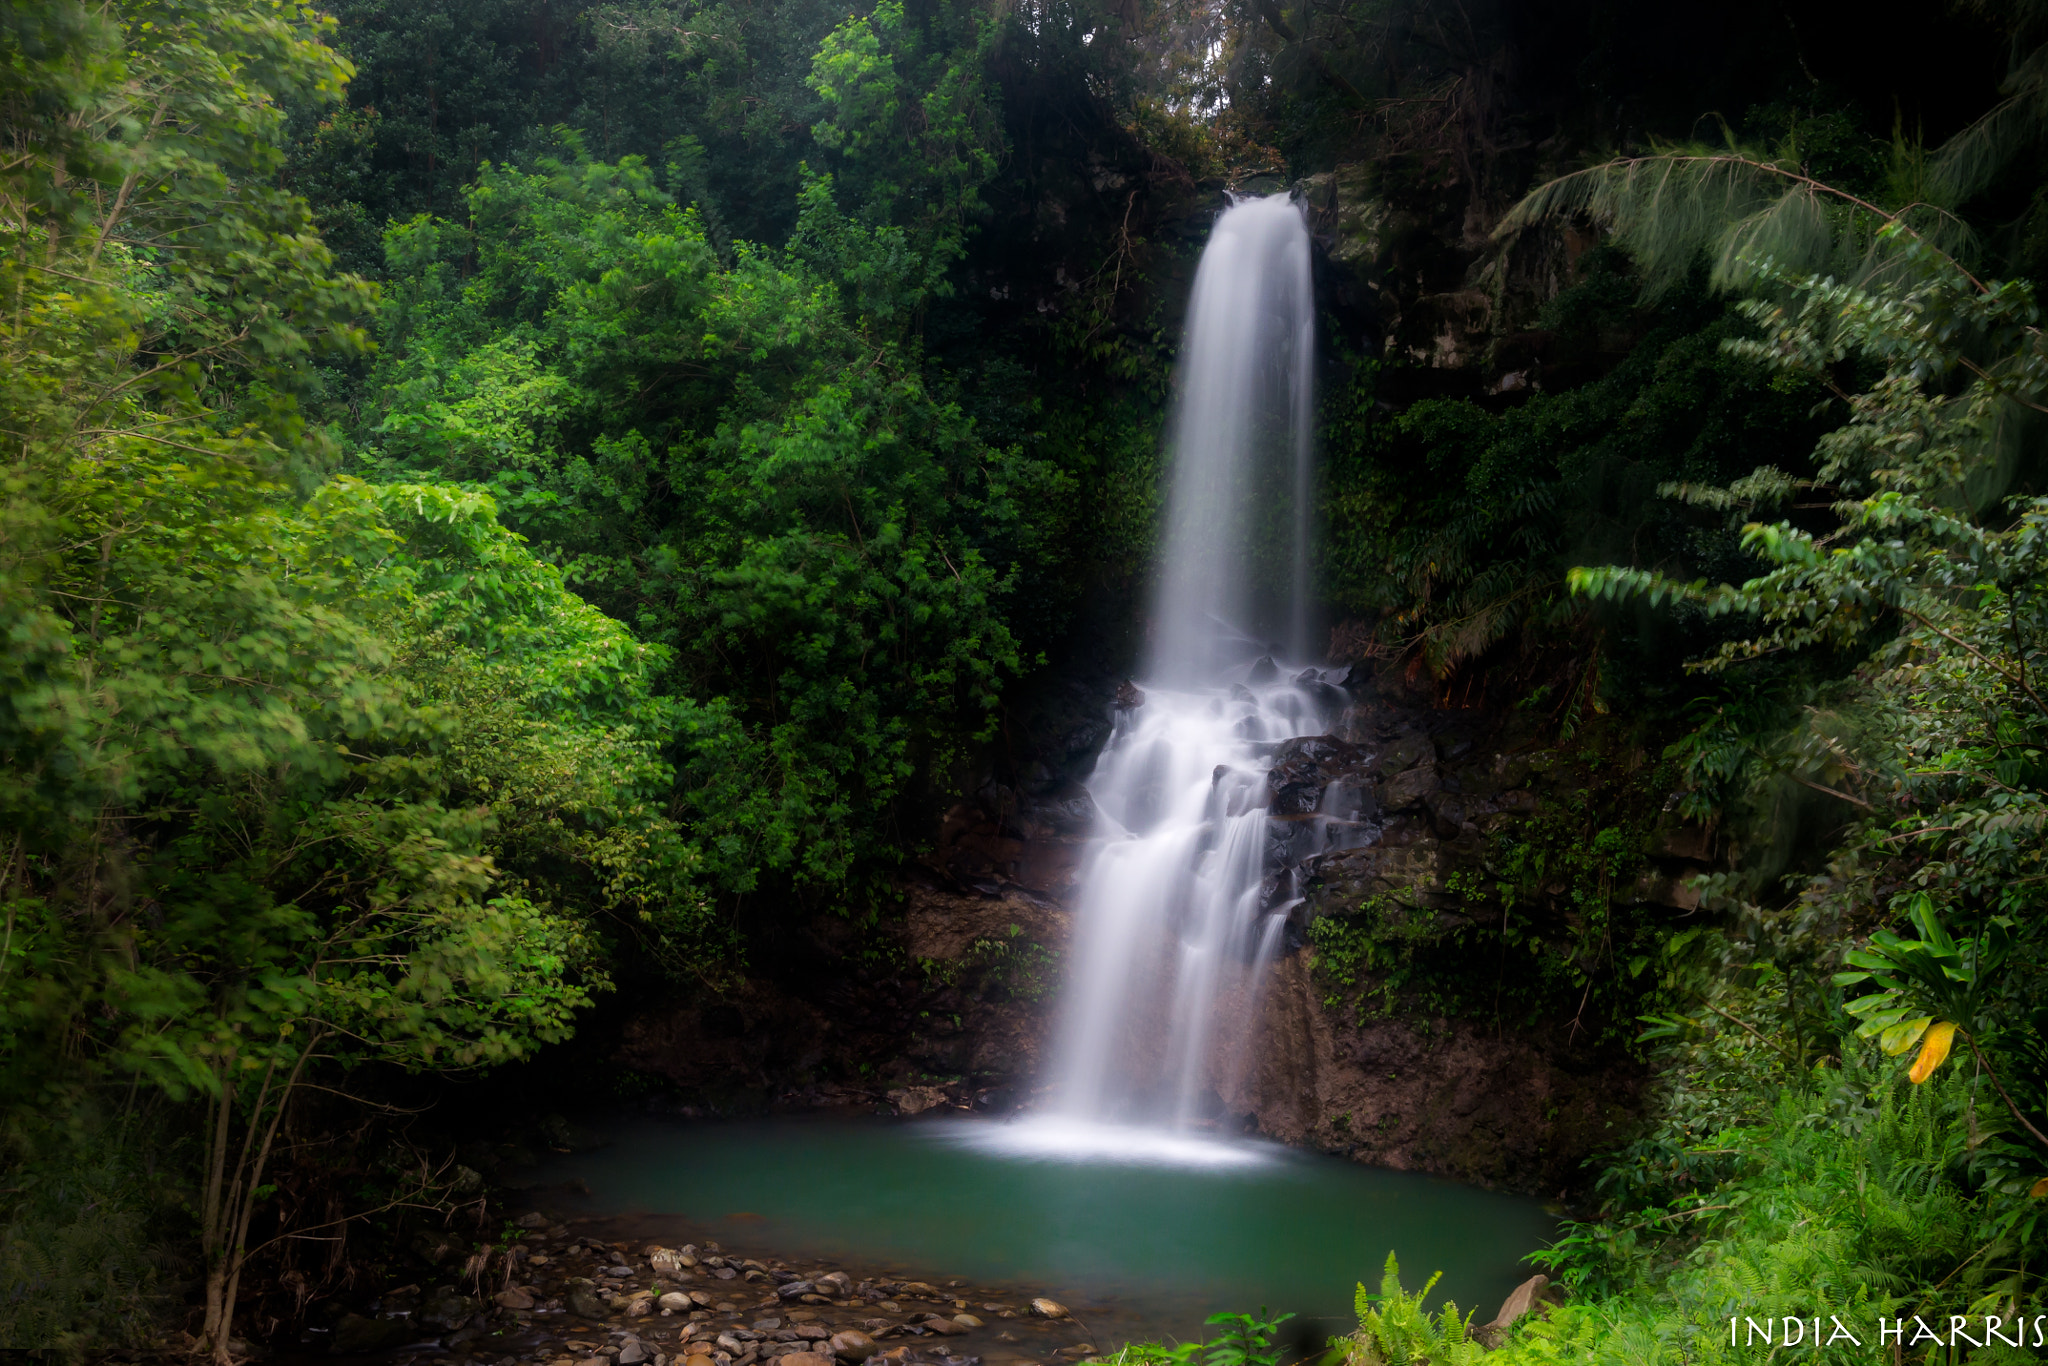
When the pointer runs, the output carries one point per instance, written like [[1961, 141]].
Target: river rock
[[835, 1283], [584, 1303], [533, 1218], [513, 1297], [967, 1320], [806, 1359], [1048, 1309], [1407, 789], [677, 1302], [448, 1311], [1401, 752], [1264, 670], [1129, 695], [794, 1289], [631, 1353], [945, 1328], [1305, 766], [355, 1334], [915, 1100], [851, 1344], [1521, 1300]]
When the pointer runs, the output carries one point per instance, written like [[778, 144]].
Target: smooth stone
[[852, 1345], [1521, 1301], [767, 1325], [584, 1303], [794, 1289], [967, 1320], [513, 1297], [945, 1328], [631, 1354], [358, 1334], [677, 1300], [806, 1359], [1048, 1309]]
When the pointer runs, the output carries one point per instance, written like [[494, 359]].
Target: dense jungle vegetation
[[509, 502]]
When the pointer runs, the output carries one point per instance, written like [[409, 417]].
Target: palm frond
[[1737, 209], [1967, 162]]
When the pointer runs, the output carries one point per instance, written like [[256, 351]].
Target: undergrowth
[[86, 1261]]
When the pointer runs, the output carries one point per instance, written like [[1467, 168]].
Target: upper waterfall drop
[[1178, 916], [1241, 442]]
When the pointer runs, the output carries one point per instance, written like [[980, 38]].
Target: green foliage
[[1015, 967], [293, 779], [729, 459], [1941, 728], [1246, 1340], [1831, 1192], [86, 1249], [1740, 207], [907, 111], [1545, 925], [1394, 1328], [1456, 525], [1773, 1180]]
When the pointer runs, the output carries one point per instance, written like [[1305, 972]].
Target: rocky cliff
[[1399, 1026]]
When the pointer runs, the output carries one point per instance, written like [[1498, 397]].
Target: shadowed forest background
[[517, 511]]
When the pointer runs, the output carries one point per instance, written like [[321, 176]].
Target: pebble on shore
[[574, 1300]]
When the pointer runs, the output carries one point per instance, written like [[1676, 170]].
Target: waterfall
[[1181, 908], [1241, 442]]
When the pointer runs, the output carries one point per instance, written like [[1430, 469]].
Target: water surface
[[1143, 1233]]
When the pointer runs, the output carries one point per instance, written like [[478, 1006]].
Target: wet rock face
[[1304, 769]]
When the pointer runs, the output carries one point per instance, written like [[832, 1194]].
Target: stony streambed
[[561, 1297]]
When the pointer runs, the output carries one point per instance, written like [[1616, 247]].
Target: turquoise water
[[1141, 1238]]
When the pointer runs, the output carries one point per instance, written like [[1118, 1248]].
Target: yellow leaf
[[1932, 1052], [1903, 1035], [2040, 1188]]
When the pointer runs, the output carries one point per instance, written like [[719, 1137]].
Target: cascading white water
[[1176, 920], [1241, 445]]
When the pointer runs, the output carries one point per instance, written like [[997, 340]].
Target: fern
[[1394, 1328]]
